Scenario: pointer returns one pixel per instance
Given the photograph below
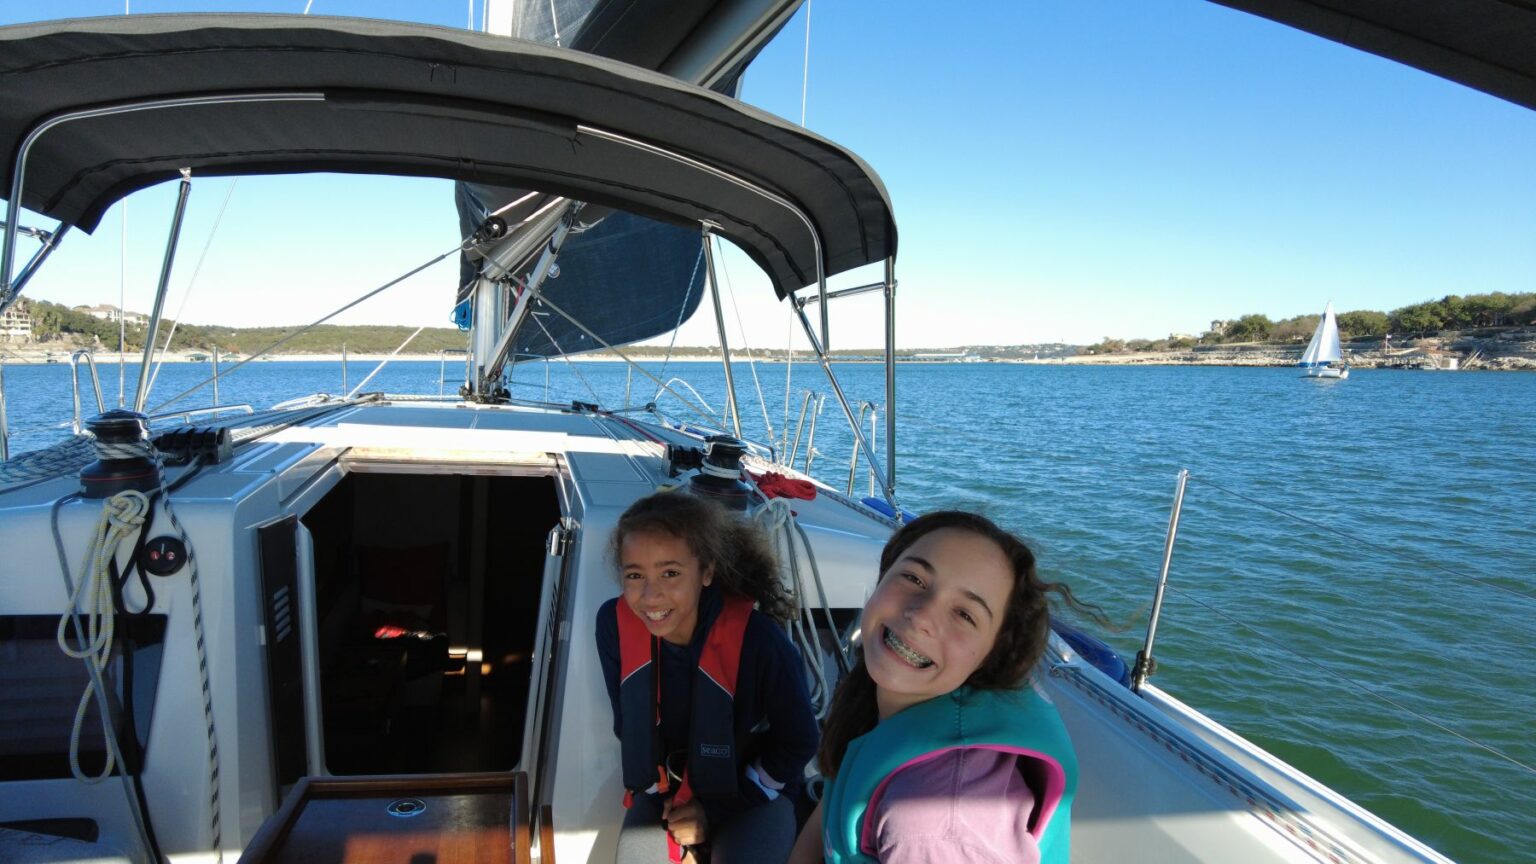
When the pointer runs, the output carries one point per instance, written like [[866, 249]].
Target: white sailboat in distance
[[1323, 359]]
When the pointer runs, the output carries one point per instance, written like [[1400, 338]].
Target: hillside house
[[110, 313], [15, 326]]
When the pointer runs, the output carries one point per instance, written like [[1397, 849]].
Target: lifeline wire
[[1353, 683], [1361, 540], [317, 322]]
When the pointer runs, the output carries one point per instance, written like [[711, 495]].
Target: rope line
[[1364, 542], [215, 815], [1352, 682], [122, 516]]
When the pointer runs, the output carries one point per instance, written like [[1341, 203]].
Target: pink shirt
[[967, 805]]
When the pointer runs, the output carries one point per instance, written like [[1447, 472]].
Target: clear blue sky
[[1061, 170]]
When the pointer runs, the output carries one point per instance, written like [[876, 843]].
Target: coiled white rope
[[777, 520], [122, 516]]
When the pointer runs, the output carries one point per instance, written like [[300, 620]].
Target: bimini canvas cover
[[1488, 45], [364, 96]]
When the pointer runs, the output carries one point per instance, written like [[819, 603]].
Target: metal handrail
[[1145, 665], [667, 388], [5, 429], [810, 441], [74, 385], [186, 416], [442, 365], [805, 403], [545, 358], [869, 409]]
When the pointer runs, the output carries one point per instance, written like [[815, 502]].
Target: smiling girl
[[938, 747], [714, 722]]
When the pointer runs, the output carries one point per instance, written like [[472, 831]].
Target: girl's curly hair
[[743, 559]]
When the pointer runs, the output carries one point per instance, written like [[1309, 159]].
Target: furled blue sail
[[625, 277]]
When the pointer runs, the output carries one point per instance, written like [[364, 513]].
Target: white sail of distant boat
[[1323, 358]]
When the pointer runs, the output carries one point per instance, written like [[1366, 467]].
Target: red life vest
[[711, 769]]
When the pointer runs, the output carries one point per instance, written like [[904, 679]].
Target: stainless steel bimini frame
[[885, 477], [13, 205]]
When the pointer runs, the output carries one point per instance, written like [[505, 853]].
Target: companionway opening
[[427, 590]]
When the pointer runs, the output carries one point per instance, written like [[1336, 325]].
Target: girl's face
[[934, 617], [662, 582]]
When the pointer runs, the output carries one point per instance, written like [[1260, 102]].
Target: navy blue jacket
[[770, 686]]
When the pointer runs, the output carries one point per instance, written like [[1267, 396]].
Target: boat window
[[42, 687]]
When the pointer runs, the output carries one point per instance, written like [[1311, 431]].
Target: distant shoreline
[[1254, 356]]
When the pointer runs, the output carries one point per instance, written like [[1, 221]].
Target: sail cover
[[660, 266]]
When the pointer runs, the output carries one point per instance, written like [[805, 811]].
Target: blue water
[[1339, 643]]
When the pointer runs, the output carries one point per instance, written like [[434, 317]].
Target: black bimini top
[[378, 97], [1488, 45]]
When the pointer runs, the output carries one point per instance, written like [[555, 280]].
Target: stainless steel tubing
[[865, 409], [799, 427], [74, 385], [19, 169], [810, 443], [5, 429], [725, 347], [890, 373], [50, 242], [1144, 663], [842, 399], [142, 391]]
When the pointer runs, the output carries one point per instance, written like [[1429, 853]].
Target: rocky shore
[[1509, 351]]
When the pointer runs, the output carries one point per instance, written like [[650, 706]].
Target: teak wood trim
[[546, 835], [275, 830]]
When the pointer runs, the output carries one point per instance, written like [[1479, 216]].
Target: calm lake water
[[1402, 603]]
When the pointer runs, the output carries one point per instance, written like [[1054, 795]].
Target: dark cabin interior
[[427, 591]]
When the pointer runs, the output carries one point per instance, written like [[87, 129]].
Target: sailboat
[[249, 693], [1323, 358]]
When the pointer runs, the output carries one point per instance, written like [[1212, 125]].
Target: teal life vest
[[1020, 721]]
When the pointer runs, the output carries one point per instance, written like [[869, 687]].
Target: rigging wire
[[317, 322], [1391, 553], [385, 362], [742, 329], [805, 71], [190, 284], [566, 357], [682, 310], [625, 357], [1370, 691]]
